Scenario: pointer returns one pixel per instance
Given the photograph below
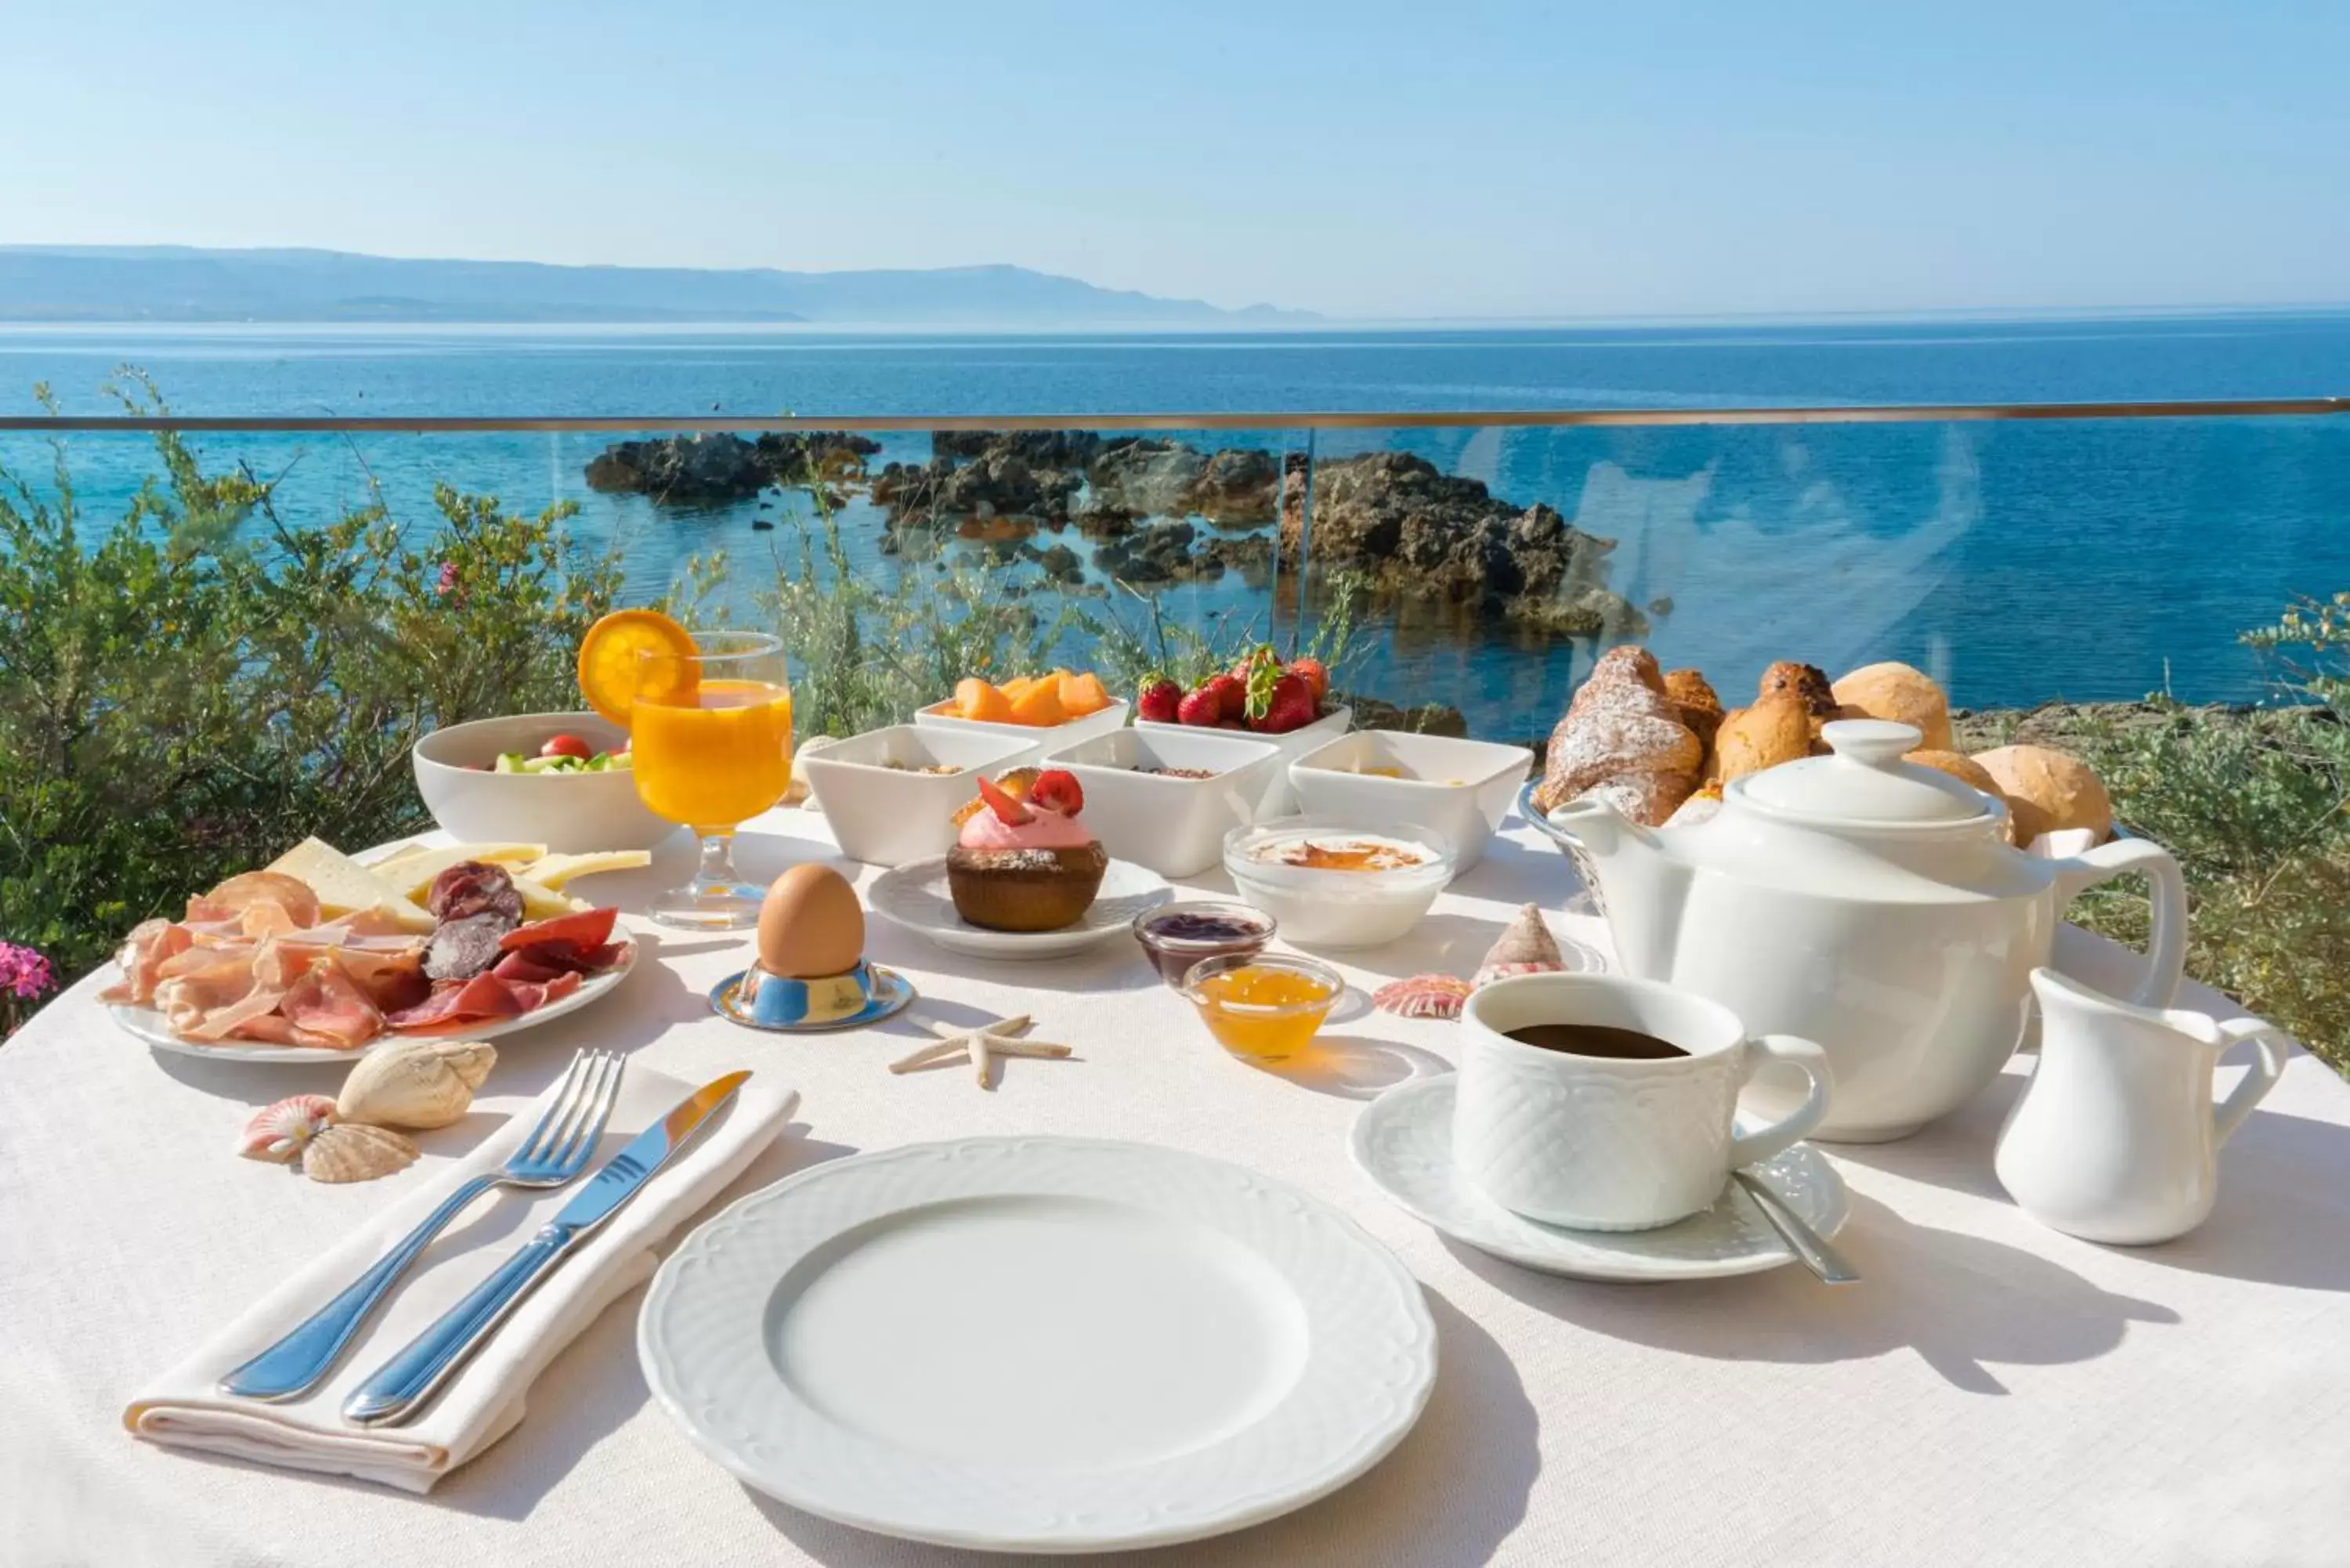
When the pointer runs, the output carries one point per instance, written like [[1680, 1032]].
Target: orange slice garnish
[[612, 673]]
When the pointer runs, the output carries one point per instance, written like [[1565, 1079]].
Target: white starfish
[[982, 1044]]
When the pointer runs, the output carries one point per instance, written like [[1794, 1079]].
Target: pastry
[[1694, 703], [1622, 741], [1777, 728], [1807, 683], [1022, 861], [1895, 691], [2048, 791]]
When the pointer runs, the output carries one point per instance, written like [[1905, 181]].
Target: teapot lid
[[1865, 782]]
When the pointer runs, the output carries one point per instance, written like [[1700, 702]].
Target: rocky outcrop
[[1049, 475], [1416, 532], [718, 467]]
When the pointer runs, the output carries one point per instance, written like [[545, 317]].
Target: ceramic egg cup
[[865, 994]]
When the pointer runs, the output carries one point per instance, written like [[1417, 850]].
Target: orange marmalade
[[1263, 1013]]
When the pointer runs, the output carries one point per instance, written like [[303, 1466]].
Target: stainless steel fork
[[556, 1151]]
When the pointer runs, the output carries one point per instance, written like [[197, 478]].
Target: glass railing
[[344, 582]]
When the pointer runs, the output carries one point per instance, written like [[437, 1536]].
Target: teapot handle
[[2272, 1044], [2166, 951]]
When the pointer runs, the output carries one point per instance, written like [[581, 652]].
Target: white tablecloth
[[1994, 1393]]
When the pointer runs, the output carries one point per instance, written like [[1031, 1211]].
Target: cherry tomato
[[568, 746]]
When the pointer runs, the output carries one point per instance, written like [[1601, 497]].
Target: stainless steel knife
[[401, 1387]]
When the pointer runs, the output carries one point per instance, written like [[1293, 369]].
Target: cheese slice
[[412, 875], [540, 902], [559, 870], [344, 886]]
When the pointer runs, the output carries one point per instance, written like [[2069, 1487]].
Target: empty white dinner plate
[[915, 895], [149, 1025], [1038, 1344], [1403, 1142]]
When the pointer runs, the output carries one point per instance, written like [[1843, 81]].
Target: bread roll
[[1777, 728], [1895, 691], [1807, 683], [1694, 701], [2048, 790], [1968, 771]]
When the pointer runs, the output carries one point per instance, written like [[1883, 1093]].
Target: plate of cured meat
[[317, 959]]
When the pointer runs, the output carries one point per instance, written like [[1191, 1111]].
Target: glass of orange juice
[[710, 738]]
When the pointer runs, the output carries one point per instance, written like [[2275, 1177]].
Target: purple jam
[[1180, 935]]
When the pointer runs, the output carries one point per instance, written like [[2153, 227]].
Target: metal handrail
[[1456, 419]]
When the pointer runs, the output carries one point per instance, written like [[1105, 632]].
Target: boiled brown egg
[[810, 924]]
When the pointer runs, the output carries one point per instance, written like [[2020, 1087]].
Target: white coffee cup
[[1604, 1142]]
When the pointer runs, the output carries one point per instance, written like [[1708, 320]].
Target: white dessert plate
[[148, 1024], [1403, 1142], [1038, 1344], [916, 897]]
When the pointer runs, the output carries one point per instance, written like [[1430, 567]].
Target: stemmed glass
[[711, 736]]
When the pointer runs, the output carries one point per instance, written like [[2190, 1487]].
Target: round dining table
[[1991, 1392]]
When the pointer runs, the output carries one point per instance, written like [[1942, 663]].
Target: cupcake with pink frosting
[[1022, 861]]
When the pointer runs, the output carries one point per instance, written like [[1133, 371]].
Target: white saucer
[[1038, 1344], [915, 895], [1403, 1142]]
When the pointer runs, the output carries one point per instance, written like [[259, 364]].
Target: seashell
[[350, 1152], [1423, 996], [1526, 948], [279, 1130], [415, 1082]]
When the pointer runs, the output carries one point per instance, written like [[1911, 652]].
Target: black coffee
[[1596, 1040]]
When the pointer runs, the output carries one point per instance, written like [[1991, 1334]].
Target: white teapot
[[1864, 902]]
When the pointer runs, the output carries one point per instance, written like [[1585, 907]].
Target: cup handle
[[2267, 1067], [1754, 1148], [2166, 951]]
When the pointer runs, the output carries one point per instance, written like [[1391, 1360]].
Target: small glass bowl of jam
[[1176, 936], [1263, 1007]]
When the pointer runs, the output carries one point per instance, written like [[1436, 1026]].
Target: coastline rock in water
[[1420, 719], [722, 467], [1423, 534]]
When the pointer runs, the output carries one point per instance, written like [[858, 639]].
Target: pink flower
[[25, 973], [448, 582]]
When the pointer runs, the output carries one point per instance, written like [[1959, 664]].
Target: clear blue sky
[[1440, 158]]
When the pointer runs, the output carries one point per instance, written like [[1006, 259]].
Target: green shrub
[[177, 704]]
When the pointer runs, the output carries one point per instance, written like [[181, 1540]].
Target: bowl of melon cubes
[[1057, 708]]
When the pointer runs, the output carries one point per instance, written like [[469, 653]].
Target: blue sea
[[2019, 561]]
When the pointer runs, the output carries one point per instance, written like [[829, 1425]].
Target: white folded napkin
[[485, 1400]]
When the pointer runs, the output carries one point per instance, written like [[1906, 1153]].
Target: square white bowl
[[1461, 788], [1040, 738], [890, 816], [1174, 826], [1279, 800]]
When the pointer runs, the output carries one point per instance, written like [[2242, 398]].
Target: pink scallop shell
[[1422, 996], [277, 1131]]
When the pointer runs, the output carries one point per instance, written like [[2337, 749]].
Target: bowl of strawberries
[[1287, 702]]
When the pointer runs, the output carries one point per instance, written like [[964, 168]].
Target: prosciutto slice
[[150, 946], [455, 1004], [329, 1003], [535, 994], [587, 929]]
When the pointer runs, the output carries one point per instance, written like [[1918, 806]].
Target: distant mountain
[[180, 282]]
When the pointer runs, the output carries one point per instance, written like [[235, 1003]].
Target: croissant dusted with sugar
[[1623, 741]]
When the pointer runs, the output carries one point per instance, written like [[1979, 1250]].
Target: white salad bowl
[[1175, 826], [1332, 908], [1279, 800], [882, 808], [1041, 738], [1460, 788], [570, 813]]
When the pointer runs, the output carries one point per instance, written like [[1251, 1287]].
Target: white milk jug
[[2115, 1137]]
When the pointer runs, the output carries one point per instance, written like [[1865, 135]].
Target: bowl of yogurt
[[1334, 882]]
